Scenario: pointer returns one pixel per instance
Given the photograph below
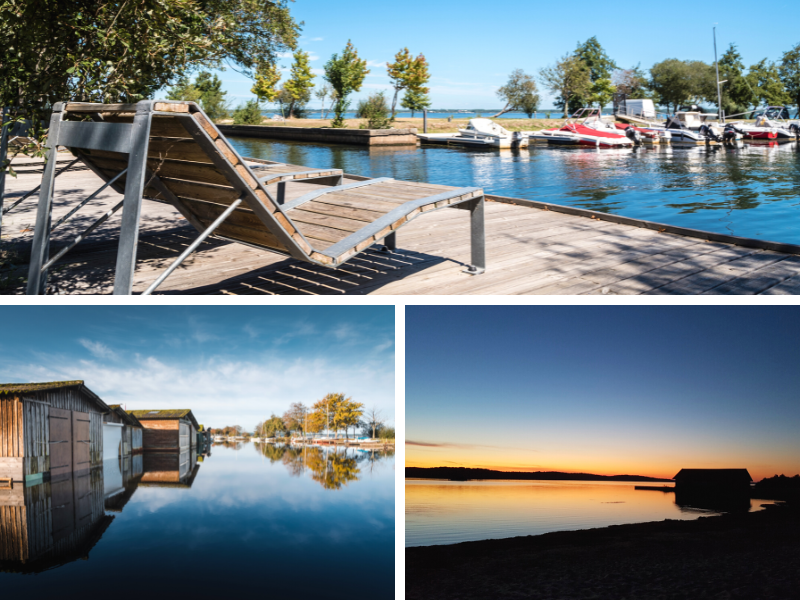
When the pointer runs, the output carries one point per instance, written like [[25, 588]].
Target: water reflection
[[747, 190], [259, 519], [331, 467], [59, 521]]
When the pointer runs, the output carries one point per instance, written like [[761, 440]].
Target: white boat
[[587, 128], [483, 133], [771, 124]]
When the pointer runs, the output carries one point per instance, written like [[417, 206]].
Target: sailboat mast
[[719, 91]]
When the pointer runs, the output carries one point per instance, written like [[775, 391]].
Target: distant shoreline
[[465, 474]]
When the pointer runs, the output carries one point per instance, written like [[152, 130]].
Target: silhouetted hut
[[719, 480], [726, 489], [167, 430], [51, 428], [123, 431]]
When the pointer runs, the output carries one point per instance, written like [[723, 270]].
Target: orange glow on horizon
[[665, 468]]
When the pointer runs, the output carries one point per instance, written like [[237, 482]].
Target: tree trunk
[[394, 101], [502, 112], [291, 108]]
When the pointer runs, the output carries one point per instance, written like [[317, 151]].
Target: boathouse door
[[60, 422], [81, 441]]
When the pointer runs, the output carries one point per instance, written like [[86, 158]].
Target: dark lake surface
[[752, 190], [247, 520]]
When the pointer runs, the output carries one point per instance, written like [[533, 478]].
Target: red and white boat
[[586, 128]]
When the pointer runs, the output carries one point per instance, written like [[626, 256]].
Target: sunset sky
[[607, 390]]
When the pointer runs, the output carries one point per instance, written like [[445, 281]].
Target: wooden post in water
[[424, 120]]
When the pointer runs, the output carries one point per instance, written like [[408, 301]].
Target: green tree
[[631, 82], [765, 81], [677, 82], [300, 83], [272, 427], [184, 89], [206, 90], [595, 58], [789, 71], [569, 78], [601, 93], [248, 113], [87, 51], [600, 66], [415, 100], [212, 97], [375, 110], [345, 73], [407, 73], [737, 95], [519, 93], [267, 76]]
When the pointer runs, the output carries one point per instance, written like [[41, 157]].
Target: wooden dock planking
[[529, 250]]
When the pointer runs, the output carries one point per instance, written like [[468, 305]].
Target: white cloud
[[98, 349], [220, 390], [376, 63], [316, 39]]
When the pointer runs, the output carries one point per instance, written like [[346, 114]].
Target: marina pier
[[532, 248]]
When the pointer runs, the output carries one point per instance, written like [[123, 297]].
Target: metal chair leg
[[132, 204], [477, 238], [390, 243], [40, 249]]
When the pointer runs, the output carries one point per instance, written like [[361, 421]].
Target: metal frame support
[[82, 236], [477, 237], [36, 189], [4, 127], [40, 249], [132, 202], [390, 243], [281, 198], [67, 216], [193, 246]]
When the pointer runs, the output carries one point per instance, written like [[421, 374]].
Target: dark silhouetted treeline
[[464, 474]]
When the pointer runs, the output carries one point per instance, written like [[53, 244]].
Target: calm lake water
[[750, 191], [448, 512], [247, 520]]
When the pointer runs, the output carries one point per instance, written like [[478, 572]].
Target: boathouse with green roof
[[49, 429], [172, 430]]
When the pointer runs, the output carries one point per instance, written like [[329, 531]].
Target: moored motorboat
[[587, 128], [483, 133]]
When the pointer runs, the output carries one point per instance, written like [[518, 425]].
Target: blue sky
[[473, 46], [611, 390], [232, 365]]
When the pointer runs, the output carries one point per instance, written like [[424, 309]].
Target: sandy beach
[[748, 556]]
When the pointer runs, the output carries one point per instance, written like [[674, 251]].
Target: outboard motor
[[516, 139], [633, 135], [709, 134], [795, 129], [730, 132]]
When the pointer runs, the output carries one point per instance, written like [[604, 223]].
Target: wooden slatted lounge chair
[[171, 152]]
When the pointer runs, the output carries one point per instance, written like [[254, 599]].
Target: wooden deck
[[529, 251]]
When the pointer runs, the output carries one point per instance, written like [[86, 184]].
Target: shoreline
[[751, 555]]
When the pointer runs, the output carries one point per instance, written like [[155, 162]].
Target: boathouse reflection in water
[[59, 521]]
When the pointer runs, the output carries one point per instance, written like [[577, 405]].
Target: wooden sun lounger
[[171, 152]]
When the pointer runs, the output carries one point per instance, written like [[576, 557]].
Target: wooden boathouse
[[53, 428], [167, 430], [122, 429], [714, 489]]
